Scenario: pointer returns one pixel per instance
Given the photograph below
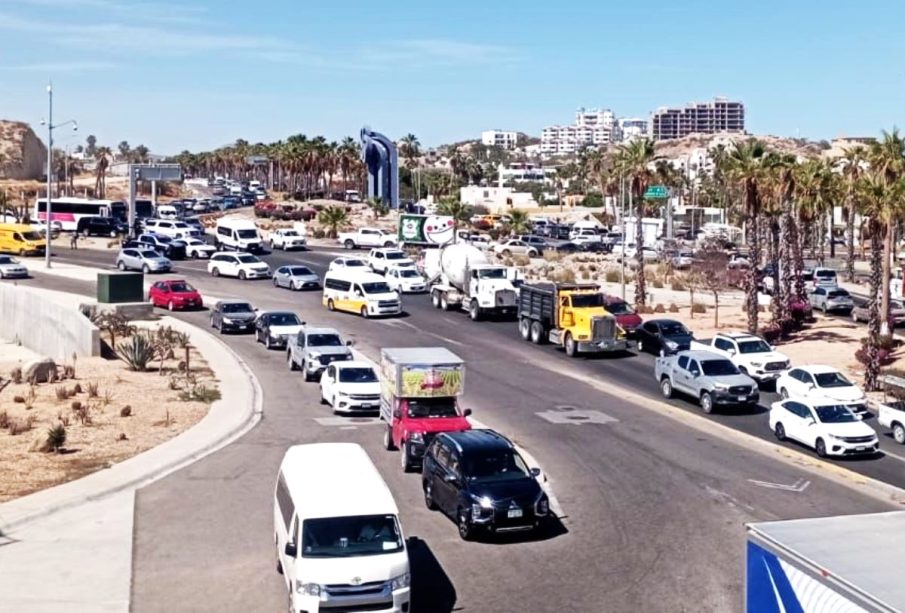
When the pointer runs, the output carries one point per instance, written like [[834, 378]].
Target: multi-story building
[[499, 138], [592, 128], [631, 128], [719, 115]]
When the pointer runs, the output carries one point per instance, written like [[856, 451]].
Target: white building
[[496, 199], [524, 171], [632, 128], [592, 128], [499, 138]]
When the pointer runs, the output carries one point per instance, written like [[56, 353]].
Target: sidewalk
[[70, 546]]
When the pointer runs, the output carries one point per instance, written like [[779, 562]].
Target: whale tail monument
[[382, 161]]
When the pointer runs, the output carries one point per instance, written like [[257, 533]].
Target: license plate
[[367, 406], [742, 398], [860, 448], [514, 513], [242, 326]]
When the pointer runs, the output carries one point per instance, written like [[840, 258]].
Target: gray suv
[[314, 349], [706, 376], [233, 316]]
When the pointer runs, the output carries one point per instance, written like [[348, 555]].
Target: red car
[[175, 294], [623, 312]]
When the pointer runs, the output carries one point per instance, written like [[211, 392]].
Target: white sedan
[[826, 427], [405, 280], [348, 262], [629, 253], [821, 382], [197, 248], [515, 247], [350, 386]]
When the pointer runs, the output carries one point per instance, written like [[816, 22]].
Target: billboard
[[429, 230]]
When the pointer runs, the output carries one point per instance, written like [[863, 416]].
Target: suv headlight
[[308, 589], [721, 386], [672, 344], [402, 581], [416, 437], [485, 502], [542, 507], [314, 356]]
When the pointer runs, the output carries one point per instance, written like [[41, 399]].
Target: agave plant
[[137, 352]]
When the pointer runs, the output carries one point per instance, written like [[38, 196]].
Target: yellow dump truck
[[573, 316]]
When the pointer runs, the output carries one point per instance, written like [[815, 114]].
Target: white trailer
[[845, 564]]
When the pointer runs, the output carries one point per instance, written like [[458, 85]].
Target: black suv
[[479, 479], [101, 226], [165, 245], [233, 316]]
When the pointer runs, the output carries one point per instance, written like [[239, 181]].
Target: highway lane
[[654, 509]]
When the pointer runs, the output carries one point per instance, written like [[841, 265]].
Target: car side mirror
[[466, 412], [397, 414], [291, 550], [730, 351], [810, 421], [450, 478], [811, 386], [349, 343], [535, 472]]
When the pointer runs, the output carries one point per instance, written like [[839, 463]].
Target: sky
[[199, 74]]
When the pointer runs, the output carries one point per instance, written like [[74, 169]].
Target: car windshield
[[290, 233], [147, 253], [378, 287], [717, 368], [492, 273], [825, 274], [587, 300], [300, 271], [248, 259], [340, 537], [896, 305], [432, 407], [620, 308], [396, 255], [835, 414], [247, 233], [285, 319], [324, 340], [673, 328], [195, 241], [32, 236], [357, 375], [757, 346], [838, 293], [408, 273], [237, 307], [832, 379], [352, 263], [5, 259], [162, 239], [181, 287], [501, 466]]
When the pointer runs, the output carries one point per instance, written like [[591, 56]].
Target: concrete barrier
[[45, 326]]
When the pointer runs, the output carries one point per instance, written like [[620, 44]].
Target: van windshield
[[340, 537], [247, 233], [32, 236], [378, 287]]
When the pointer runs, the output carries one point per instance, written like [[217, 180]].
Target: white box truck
[[845, 564]]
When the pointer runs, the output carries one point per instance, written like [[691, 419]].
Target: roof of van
[[353, 274], [335, 479], [233, 220], [16, 227]]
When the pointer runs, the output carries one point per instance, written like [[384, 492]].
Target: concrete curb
[[239, 410]]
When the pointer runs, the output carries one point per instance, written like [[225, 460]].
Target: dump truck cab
[[573, 316]]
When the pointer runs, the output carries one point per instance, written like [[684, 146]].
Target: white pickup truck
[[751, 354], [366, 237], [892, 414]]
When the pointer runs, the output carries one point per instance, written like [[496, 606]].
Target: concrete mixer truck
[[462, 277]]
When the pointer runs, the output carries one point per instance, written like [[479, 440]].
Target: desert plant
[[200, 393], [77, 389], [4, 420], [659, 308], [552, 256], [612, 276], [61, 392], [93, 388], [677, 286], [698, 307], [137, 352], [114, 324], [122, 437], [30, 397], [18, 426], [657, 283], [673, 308], [19, 399], [56, 438], [521, 260], [68, 372], [16, 375], [83, 414], [126, 411]]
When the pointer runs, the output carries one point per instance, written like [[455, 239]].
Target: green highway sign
[[655, 192]]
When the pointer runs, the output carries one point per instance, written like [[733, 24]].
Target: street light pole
[[49, 208], [622, 222]]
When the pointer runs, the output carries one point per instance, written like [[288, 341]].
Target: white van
[[365, 293], [336, 528], [239, 234]]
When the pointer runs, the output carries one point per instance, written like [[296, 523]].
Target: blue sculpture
[[382, 161]]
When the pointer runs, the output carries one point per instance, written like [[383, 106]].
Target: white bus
[[68, 211]]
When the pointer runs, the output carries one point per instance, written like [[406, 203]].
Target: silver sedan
[[11, 268], [296, 278]]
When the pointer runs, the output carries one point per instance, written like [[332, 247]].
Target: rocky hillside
[[22, 154], [680, 147]]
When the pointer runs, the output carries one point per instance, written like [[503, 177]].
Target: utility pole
[[624, 234], [49, 209]]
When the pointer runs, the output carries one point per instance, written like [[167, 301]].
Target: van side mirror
[[291, 550], [397, 414], [349, 343], [466, 412]]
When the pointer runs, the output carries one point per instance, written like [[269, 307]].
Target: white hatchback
[[350, 386], [197, 248], [405, 280], [348, 263], [830, 429]]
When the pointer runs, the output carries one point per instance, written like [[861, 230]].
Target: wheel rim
[[170, 305], [364, 312], [640, 345], [666, 387], [821, 448], [784, 393], [899, 434], [428, 495], [463, 524], [780, 431], [330, 305], [706, 403], [570, 346]]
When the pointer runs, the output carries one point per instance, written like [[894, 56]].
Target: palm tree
[[410, 149], [519, 222], [378, 207], [454, 208], [887, 161], [334, 217], [744, 167], [103, 156], [140, 154], [853, 165], [124, 149], [633, 160]]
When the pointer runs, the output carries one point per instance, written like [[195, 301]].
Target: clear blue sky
[[199, 74]]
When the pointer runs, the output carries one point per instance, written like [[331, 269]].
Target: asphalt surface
[[653, 510]]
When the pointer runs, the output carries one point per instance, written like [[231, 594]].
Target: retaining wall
[[44, 326]]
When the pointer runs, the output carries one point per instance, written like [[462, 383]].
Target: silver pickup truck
[[312, 350], [710, 378]]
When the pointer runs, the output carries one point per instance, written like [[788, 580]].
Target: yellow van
[[364, 293], [21, 240]]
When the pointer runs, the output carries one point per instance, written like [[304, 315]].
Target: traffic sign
[[655, 192]]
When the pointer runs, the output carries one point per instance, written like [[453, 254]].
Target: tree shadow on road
[[432, 589]]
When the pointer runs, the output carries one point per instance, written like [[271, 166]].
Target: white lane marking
[[894, 456], [798, 487], [402, 322]]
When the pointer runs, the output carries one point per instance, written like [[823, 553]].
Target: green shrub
[[56, 438], [592, 201], [137, 352]]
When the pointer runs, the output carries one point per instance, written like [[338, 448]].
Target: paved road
[[653, 509]]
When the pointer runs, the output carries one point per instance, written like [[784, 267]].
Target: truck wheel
[[666, 387], [571, 346], [537, 333], [404, 457], [435, 299], [388, 438], [524, 328], [444, 303], [706, 402], [474, 311], [349, 244], [784, 393], [898, 433]]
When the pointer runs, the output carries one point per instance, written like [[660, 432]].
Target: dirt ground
[[106, 436]]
